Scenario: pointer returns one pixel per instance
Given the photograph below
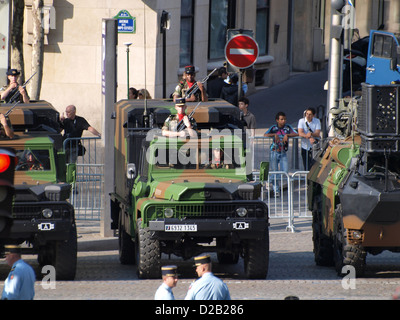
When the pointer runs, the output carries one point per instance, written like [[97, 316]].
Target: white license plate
[[181, 228], [47, 226]]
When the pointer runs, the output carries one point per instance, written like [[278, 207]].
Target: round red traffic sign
[[241, 51]]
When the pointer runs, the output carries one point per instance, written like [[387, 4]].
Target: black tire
[[148, 254], [256, 257], [346, 254], [64, 257], [126, 247], [323, 251]]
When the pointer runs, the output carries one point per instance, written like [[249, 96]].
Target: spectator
[[248, 117], [214, 87], [230, 91], [73, 126], [144, 94], [280, 132], [133, 93], [309, 129]]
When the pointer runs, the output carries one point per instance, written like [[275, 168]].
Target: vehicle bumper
[[169, 229]]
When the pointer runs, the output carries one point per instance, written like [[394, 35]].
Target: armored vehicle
[[172, 197], [42, 216], [354, 186]]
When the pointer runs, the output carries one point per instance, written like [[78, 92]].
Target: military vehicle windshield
[[193, 157], [29, 159]]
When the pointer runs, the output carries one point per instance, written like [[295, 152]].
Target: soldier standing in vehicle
[[207, 286], [170, 279], [14, 87], [186, 83], [170, 127], [20, 283]]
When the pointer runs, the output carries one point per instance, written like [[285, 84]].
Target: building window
[[222, 18], [187, 26], [262, 26]]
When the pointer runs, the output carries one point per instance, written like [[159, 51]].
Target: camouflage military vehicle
[[42, 217], [170, 197], [354, 186]]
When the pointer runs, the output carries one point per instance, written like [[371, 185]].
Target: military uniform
[[20, 282], [208, 286], [183, 86], [164, 292], [171, 123], [15, 91]]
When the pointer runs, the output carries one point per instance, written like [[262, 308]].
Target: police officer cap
[[180, 101], [13, 72], [202, 259], [189, 69], [12, 248], [169, 271]]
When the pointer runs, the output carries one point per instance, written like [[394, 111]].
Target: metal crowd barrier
[[88, 192]]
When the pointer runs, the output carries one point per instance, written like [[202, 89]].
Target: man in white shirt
[[309, 129]]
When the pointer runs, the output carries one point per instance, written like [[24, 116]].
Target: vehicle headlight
[[241, 212], [168, 212], [47, 213]]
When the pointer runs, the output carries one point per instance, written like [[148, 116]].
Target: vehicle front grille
[[211, 210]]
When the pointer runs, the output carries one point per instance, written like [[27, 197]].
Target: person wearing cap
[[20, 283], [170, 279], [207, 286], [170, 127], [13, 88], [186, 83]]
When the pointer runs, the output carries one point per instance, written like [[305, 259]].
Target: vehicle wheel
[[126, 247], [346, 254], [64, 256], [148, 253], [256, 257], [323, 252]]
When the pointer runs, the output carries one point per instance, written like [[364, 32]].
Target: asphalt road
[[292, 271], [292, 97]]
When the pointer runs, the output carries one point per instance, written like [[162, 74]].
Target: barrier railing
[[88, 192]]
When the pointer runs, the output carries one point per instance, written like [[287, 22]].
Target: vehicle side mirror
[[131, 171], [264, 171]]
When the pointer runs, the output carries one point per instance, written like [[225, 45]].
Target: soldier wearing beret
[[13, 88], [170, 279], [186, 83], [20, 282], [170, 127], [207, 286]]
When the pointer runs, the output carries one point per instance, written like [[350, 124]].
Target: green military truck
[[42, 217], [171, 197]]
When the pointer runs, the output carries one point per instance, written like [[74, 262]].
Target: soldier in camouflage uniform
[[8, 92], [186, 83], [169, 128]]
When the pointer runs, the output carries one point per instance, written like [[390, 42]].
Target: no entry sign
[[241, 51]]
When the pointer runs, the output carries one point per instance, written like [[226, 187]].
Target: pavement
[[301, 90]]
